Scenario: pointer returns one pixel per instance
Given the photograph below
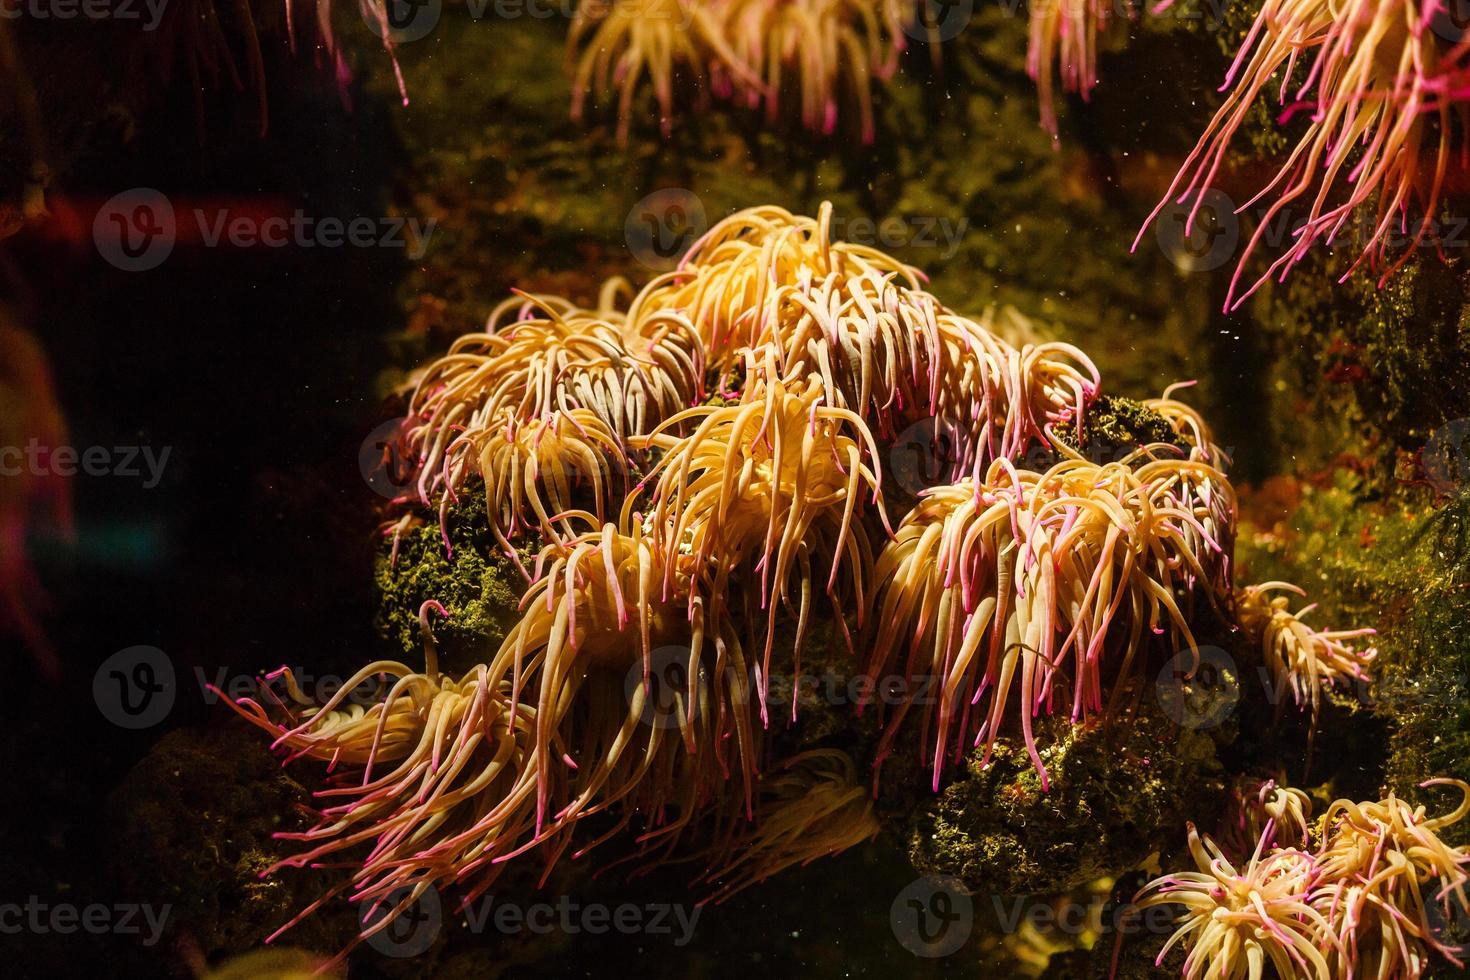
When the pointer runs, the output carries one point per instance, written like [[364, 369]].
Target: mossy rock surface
[[1116, 795]]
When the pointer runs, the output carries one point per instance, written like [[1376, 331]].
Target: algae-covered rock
[[458, 565], [1403, 568], [1117, 793], [195, 819]]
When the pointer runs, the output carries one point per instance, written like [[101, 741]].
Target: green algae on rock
[[196, 820], [1116, 795], [457, 565]]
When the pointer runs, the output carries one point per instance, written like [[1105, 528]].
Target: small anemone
[[1370, 901], [614, 44], [545, 399], [1235, 923], [1263, 809], [1296, 654], [1062, 45], [446, 780], [1389, 880], [736, 283], [752, 52], [820, 46]]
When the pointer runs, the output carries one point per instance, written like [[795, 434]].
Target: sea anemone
[[1383, 862], [615, 43], [1296, 655], [764, 281], [1237, 922], [1063, 42], [1381, 91], [453, 757], [535, 471], [546, 398], [674, 524], [1265, 810], [1361, 904], [823, 46], [769, 485], [892, 353], [745, 50], [988, 584], [511, 756], [735, 283], [810, 806], [525, 366]]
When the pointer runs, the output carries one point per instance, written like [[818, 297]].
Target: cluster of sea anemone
[[757, 53], [1377, 896], [1382, 85], [829, 51], [704, 473]]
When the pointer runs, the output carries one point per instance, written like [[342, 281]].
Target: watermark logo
[[275, 686], [135, 688], [1099, 915], [1199, 695], [924, 455], [569, 917], [664, 698], [662, 227], [903, 231], [404, 924], [1447, 456], [139, 229], [1204, 241], [1451, 20], [385, 461], [401, 21], [940, 20], [135, 230], [933, 916]]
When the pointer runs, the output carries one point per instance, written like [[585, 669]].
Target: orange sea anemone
[[1041, 583], [1297, 655], [775, 486], [1385, 99]]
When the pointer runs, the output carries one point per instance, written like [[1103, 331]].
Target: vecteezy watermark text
[[408, 922], [39, 918], [571, 917], [138, 229], [1098, 916], [148, 12], [128, 462]]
